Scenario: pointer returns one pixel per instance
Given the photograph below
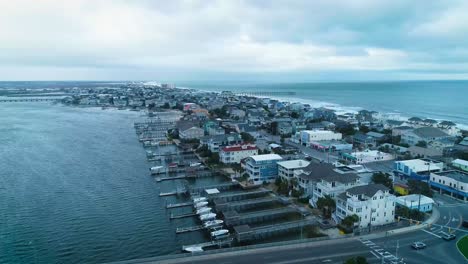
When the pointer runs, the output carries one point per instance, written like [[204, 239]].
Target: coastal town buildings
[[373, 204], [418, 202], [366, 156], [309, 136], [417, 169], [236, 153], [262, 168], [287, 168], [452, 182]]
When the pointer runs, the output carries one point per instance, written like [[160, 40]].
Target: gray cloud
[[188, 39]]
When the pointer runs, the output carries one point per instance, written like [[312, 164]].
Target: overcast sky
[[326, 40]]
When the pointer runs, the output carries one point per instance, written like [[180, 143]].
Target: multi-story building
[[214, 142], [427, 134], [453, 183], [308, 136], [417, 169], [236, 153], [287, 168], [373, 204], [318, 180], [262, 168]]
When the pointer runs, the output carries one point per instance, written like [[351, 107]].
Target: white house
[[287, 168], [236, 153], [453, 182], [367, 156], [308, 136], [372, 203], [415, 202]]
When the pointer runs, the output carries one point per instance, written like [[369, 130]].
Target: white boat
[[193, 249], [200, 204], [195, 164], [157, 169], [220, 232], [213, 223], [199, 199], [206, 217], [203, 210]]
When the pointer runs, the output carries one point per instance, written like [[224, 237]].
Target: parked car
[[465, 223], [448, 237], [418, 245]]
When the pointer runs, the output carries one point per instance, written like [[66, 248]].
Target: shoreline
[[339, 109]]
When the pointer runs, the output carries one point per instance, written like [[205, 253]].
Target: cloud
[[149, 39]]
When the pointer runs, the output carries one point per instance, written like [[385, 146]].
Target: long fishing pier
[[221, 205], [242, 195]]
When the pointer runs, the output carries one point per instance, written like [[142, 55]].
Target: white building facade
[[236, 153], [287, 168], [308, 136], [372, 203]]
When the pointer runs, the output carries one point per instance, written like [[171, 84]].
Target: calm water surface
[[75, 187]]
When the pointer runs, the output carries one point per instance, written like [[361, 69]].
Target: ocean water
[[441, 100], [75, 188]]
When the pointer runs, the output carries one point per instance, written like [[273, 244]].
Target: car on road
[[448, 237], [418, 245]]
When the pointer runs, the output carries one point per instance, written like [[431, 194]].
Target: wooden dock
[[177, 205], [213, 243], [182, 215], [180, 230]]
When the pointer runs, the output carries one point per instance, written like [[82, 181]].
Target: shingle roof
[[326, 172], [367, 190], [429, 132]]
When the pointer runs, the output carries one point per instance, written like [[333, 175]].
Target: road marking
[[429, 232], [377, 256]]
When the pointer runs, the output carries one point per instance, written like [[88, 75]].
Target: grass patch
[[462, 245]]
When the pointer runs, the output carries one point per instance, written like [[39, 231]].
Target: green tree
[[356, 260], [294, 115], [382, 178], [349, 220], [422, 144], [247, 137], [327, 205], [364, 129], [419, 187]]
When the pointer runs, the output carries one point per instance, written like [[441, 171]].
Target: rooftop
[[265, 157], [326, 172], [418, 165], [429, 132], [367, 190], [461, 162], [455, 174], [239, 148], [413, 199], [294, 164]]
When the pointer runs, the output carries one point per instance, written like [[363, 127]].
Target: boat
[[201, 204], [199, 199], [206, 217], [195, 164], [193, 249], [157, 169], [212, 223], [203, 210], [219, 233]]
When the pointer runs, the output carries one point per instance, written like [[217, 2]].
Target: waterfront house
[[418, 202], [364, 140], [427, 134], [287, 168], [236, 153], [214, 142], [373, 204], [262, 168]]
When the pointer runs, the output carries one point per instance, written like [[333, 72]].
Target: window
[[374, 198]]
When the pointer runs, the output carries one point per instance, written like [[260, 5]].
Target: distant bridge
[[29, 100]]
